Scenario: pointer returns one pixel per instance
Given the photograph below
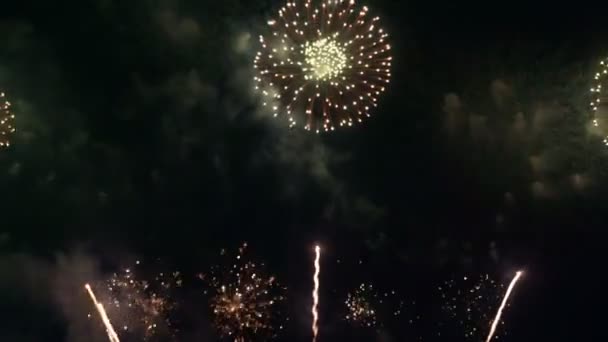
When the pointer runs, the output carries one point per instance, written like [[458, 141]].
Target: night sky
[[139, 136]]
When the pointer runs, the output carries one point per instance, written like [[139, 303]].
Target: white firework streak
[[315, 295], [502, 305], [104, 317]]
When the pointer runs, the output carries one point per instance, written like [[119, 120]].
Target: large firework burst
[[323, 66], [244, 299], [599, 100], [140, 307], [6, 121]]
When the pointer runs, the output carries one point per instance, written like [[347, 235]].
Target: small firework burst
[[323, 65], [472, 302], [360, 310], [365, 303], [6, 121], [244, 299], [599, 99], [141, 307]]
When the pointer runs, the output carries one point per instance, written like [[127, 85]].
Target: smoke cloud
[[539, 140]]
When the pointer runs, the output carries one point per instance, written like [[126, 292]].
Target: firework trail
[[502, 305], [104, 317], [315, 295]]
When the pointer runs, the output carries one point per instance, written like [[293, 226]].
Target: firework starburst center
[[326, 59]]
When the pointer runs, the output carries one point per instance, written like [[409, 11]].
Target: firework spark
[[244, 299], [6, 121], [104, 317], [325, 65], [502, 305], [360, 308], [471, 302], [598, 109], [365, 303], [144, 307], [315, 295]]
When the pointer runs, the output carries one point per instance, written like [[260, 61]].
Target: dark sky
[[138, 135]]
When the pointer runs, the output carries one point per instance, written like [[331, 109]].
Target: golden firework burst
[[324, 66], [244, 299]]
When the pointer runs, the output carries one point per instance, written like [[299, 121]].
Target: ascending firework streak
[[315, 295], [104, 317], [502, 305]]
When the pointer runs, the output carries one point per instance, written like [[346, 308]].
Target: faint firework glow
[[104, 317], [502, 305]]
